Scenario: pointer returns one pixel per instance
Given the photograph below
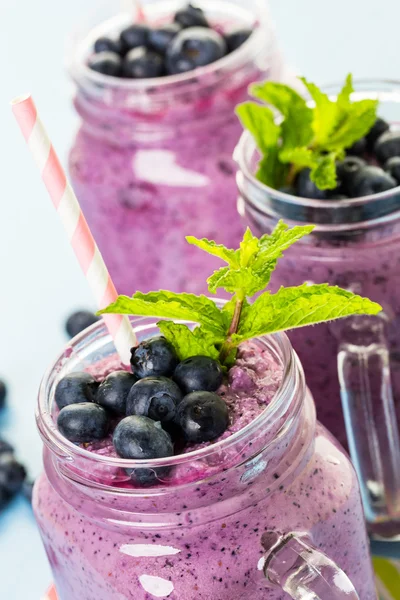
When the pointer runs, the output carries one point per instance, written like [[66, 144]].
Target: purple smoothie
[[152, 160], [198, 534]]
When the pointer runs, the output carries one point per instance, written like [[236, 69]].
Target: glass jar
[[152, 161], [356, 245], [249, 516]]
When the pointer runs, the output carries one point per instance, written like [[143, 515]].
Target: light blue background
[[40, 281]]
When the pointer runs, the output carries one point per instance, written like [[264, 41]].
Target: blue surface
[[41, 283]]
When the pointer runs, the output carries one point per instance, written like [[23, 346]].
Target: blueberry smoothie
[[197, 530], [152, 159]]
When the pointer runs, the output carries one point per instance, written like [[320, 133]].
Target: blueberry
[[27, 489], [12, 473], [107, 63], [237, 38], [358, 148], [154, 358], [194, 47], [141, 63], [83, 423], [154, 397], [140, 438], [5, 498], [160, 38], [387, 146], [338, 196], [392, 167], [3, 394], [79, 321], [191, 16], [106, 44], [203, 416], [379, 127], [346, 171], [371, 180], [114, 390], [5, 447], [198, 374], [306, 188], [133, 37], [75, 388]]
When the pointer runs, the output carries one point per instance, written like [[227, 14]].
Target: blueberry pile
[[12, 473], [153, 411], [372, 165], [142, 52]]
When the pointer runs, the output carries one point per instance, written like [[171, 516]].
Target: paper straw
[[51, 594], [78, 232]]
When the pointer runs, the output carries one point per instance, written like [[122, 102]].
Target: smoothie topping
[[177, 394], [303, 147], [187, 42]]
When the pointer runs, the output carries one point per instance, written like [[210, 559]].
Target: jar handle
[[303, 572], [370, 415]]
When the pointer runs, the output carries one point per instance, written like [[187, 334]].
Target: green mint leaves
[[292, 135], [218, 331]]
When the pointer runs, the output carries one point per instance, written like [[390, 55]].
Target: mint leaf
[[296, 126], [357, 122], [198, 309], [296, 307], [229, 256], [325, 115], [305, 136], [260, 121], [324, 172], [271, 170], [189, 343]]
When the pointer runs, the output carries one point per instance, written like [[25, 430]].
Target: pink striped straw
[[51, 594], [79, 234]]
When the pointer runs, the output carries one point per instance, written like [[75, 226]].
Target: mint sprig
[[219, 331], [292, 135]]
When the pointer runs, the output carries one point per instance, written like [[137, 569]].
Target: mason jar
[[356, 245], [152, 160], [273, 511]]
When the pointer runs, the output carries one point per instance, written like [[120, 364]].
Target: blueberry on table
[[346, 170], [202, 416], [106, 63], [154, 397], [154, 358], [27, 489], [194, 47], [160, 38], [236, 38], [133, 37], [306, 188], [392, 167], [141, 63], [198, 373], [83, 423], [358, 148], [5, 447], [141, 438], [191, 16], [75, 388], [79, 321], [12, 473], [378, 128], [113, 391], [371, 180], [387, 146], [3, 394], [106, 44]]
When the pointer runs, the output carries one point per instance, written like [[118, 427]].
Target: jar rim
[[98, 336], [84, 76], [247, 148]]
